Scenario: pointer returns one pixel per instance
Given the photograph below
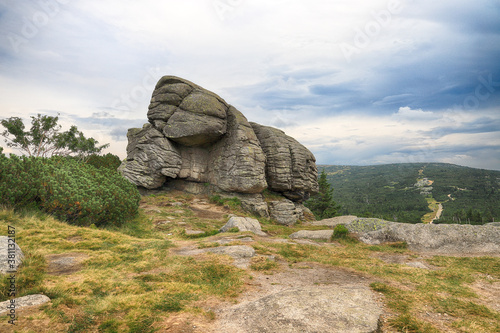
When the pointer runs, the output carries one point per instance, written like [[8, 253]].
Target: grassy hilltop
[[133, 278]]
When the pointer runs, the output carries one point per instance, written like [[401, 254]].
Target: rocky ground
[[297, 296], [306, 296]]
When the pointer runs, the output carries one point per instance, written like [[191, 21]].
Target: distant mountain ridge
[[417, 192]]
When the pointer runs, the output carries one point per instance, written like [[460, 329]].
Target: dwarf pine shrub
[[18, 183], [72, 191], [108, 161]]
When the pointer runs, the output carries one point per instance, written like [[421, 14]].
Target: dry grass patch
[[115, 276], [130, 280]]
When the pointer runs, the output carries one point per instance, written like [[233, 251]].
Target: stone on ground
[[331, 222], [312, 234], [313, 309], [8, 247], [25, 301], [243, 224]]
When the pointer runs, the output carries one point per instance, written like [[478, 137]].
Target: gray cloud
[[91, 59]]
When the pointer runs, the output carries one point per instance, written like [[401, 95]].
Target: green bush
[[70, 190], [108, 161], [18, 181], [340, 231]]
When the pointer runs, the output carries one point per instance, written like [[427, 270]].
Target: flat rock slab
[[447, 239], [25, 301], [313, 309], [194, 232], [235, 251], [331, 222], [312, 234]]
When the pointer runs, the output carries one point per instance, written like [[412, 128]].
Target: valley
[[417, 192]]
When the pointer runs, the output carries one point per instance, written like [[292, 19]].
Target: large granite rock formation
[[291, 167], [196, 142]]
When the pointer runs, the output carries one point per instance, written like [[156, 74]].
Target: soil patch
[[65, 263], [488, 292]]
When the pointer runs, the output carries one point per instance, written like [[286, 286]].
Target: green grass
[[130, 266]]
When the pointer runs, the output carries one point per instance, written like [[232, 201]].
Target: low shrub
[[108, 161], [340, 231], [72, 191]]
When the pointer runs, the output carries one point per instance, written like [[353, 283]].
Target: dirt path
[[439, 212]]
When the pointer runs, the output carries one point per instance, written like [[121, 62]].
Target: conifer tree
[[322, 204]]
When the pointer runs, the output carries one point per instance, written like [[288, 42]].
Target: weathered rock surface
[[363, 225], [313, 309], [284, 212], [8, 247], [237, 161], [65, 263], [23, 302], [439, 238], [291, 167], [332, 222], [196, 142], [187, 113], [151, 158], [454, 239], [254, 203], [312, 234], [235, 251], [243, 224]]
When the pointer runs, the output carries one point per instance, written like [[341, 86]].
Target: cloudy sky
[[357, 82]]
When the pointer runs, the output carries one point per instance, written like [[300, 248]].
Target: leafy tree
[[322, 204], [45, 139]]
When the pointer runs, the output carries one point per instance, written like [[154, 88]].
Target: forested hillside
[[413, 192]]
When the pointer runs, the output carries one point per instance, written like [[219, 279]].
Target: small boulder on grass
[[22, 302], [317, 235], [11, 255], [243, 224]]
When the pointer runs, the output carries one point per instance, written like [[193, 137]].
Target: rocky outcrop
[[237, 161], [151, 158], [195, 141], [445, 239], [186, 113], [291, 167]]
